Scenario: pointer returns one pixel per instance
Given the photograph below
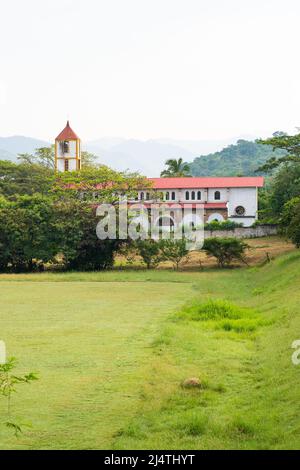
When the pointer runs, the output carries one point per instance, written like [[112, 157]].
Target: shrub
[[225, 225], [149, 251], [192, 423], [225, 250], [213, 310], [290, 220], [9, 382], [174, 251]]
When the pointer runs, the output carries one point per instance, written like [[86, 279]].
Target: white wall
[[246, 197], [211, 195], [61, 165], [72, 149]]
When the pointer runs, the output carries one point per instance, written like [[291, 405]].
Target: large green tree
[[24, 178], [26, 232], [289, 144]]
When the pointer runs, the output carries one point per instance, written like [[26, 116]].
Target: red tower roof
[[67, 134]]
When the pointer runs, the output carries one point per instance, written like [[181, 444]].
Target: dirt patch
[[260, 250]]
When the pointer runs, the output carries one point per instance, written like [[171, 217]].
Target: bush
[[212, 310], [226, 225], [174, 251], [290, 220], [225, 250], [149, 251]]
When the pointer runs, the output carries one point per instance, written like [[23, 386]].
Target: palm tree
[[175, 168]]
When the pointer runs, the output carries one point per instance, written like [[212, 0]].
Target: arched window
[[173, 196], [66, 146], [167, 196], [187, 195], [147, 196], [193, 195], [142, 196], [217, 196], [199, 195]]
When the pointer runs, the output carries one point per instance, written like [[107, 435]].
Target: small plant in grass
[[241, 427], [192, 424], [226, 250], [8, 385], [212, 310]]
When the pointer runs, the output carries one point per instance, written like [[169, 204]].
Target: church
[[222, 198]]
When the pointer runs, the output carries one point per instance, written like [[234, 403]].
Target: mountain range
[[147, 157]]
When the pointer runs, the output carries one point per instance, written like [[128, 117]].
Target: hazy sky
[[186, 69]]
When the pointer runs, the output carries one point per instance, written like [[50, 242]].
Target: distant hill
[[243, 158], [149, 156], [5, 155], [10, 147]]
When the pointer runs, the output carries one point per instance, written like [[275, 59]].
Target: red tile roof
[[179, 205], [67, 134], [208, 182]]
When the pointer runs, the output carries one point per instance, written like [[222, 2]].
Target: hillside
[[10, 147], [149, 156], [243, 158]]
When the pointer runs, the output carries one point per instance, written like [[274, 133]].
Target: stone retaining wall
[[244, 232]]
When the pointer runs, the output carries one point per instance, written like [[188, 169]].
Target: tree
[[26, 233], [85, 251], [290, 220], [225, 250], [285, 186], [88, 159], [290, 144], [45, 156], [174, 251], [44, 214], [150, 252], [175, 168], [24, 178]]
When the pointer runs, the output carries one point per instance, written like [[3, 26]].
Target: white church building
[[222, 198]]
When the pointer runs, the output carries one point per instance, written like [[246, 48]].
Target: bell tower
[[67, 150]]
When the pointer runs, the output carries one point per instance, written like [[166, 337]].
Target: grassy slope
[[112, 356], [251, 399]]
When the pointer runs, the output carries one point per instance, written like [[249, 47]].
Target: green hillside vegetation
[[112, 372], [241, 159]]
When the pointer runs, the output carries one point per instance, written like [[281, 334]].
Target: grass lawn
[[112, 350]]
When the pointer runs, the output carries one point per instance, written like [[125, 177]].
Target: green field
[[112, 350]]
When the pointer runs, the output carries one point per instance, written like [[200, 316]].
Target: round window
[[240, 210]]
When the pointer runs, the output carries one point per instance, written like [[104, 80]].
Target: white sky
[[186, 69]]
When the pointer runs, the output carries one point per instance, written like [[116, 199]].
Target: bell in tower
[[67, 150]]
